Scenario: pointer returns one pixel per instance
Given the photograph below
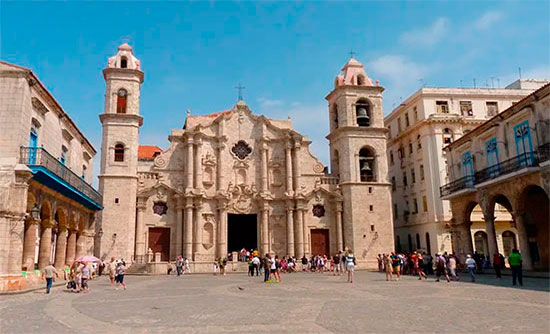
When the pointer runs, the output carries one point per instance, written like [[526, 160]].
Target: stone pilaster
[[71, 247], [523, 239], [29, 246], [288, 168], [80, 242], [198, 164], [189, 165], [263, 167], [222, 229], [290, 229], [188, 233], [264, 230], [140, 230], [299, 228], [17, 227], [296, 166], [45, 243], [338, 222], [197, 233], [491, 235], [180, 206]]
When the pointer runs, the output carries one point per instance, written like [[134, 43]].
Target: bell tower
[[358, 157], [119, 149]]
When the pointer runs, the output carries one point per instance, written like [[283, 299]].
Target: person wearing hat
[[471, 264]]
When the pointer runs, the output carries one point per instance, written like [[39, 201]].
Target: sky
[[286, 54]]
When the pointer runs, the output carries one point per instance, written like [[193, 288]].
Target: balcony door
[[33, 142], [524, 146], [468, 167], [491, 151]]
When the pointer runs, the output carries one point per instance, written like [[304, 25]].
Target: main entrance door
[[159, 241], [242, 232], [319, 242]]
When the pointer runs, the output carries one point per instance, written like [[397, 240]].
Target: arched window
[[335, 116], [360, 80], [123, 62], [119, 152], [64, 153], [84, 170], [409, 239], [428, 246], [418, 246], [336, 163], [447, 136], [122, 96], [366, 165], [362, 112]]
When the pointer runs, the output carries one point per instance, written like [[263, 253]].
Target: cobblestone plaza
[[302, 303]]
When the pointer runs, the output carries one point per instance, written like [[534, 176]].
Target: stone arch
[[31, 201], [45, 210], [61, 216], [367, 164]]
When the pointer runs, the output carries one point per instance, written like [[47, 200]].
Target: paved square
[[302, 303]]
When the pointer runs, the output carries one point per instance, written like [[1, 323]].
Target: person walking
[[420, 269], [388, 267], [179, 265], [497, 264], [350, 265], [48, 273], [86, 275], [441, 267], [256, 263], [396, 265], [452, 267], [266, 264], [304, 263], [120, 272], [471, 265], [516, 262]]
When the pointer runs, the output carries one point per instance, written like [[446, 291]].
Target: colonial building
[[47, 204], [235, 179], [419, 128], [504, 162]]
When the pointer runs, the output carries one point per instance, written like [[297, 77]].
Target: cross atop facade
[[352, 54], [240, 88]]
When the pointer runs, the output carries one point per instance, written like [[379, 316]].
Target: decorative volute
[[124, 59]]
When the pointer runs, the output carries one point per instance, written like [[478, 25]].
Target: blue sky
[[285, 54]]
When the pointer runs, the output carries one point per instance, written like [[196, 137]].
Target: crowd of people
[[445, 265]]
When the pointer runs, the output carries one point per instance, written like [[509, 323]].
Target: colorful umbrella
[[88, 258]]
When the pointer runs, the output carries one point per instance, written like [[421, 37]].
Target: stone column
[[61, 247], [296, 166], [198, 164], [222, 230], [299, 234], [71, 247], [17, 228], [491, 236], [188, 233], [179, 226], [265, 228], [197, 236], [263, 167], [461, 238], [140, 231], [219, 167], [288, 165], [307, 249], [523, 240], [189, 164], [80, 241], [30, 243], [338, 221], [45, 244], [290, 230]]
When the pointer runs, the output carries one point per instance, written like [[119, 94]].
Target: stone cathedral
[[234, 179]]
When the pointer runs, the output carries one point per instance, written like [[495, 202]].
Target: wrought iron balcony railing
[[38, 156], [524, 160], [460, 184]]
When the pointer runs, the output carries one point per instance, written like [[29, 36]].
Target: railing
[[528, 159], [462, 183], [543, 152], [329, 179], [38, 156]]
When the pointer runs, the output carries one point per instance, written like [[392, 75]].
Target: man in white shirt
[[256, 262], [471, 263]]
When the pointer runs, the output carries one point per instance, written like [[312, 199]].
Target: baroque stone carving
[[160, 162], [241, 150], [160, 208], [318, 210], [318, 168], [241, 197]]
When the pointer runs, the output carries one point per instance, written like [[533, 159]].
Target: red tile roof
[[148, 151]]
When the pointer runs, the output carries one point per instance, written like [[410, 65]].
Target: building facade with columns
[[420, 127], [505, 162], [234, 179], [47, 205]]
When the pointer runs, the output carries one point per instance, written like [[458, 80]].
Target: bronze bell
[[362, 115]]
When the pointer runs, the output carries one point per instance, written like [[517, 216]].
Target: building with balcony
[[504, 162], [418, 130], [47, 204]]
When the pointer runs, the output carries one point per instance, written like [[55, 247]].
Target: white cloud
[[427, 36], [400, 76], [487, 20]]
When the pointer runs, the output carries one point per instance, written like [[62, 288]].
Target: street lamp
[[35, 212]]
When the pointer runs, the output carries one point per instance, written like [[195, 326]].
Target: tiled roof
[[148, 151]]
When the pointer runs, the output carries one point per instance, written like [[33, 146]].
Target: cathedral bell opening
[[242, 232]]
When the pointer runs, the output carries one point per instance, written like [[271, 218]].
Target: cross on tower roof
[[351, 53], [240, 89]]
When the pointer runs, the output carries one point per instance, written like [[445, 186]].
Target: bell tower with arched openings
[[119, 155], [358, 157]]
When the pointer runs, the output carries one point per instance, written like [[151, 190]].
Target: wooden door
[[159, 242], [320, 242]]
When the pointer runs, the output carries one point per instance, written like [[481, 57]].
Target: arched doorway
[[508, 242], [410, 243], [481, 245], [428, 245], [536, 219]]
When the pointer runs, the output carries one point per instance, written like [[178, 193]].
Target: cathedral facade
[[234, 179]]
